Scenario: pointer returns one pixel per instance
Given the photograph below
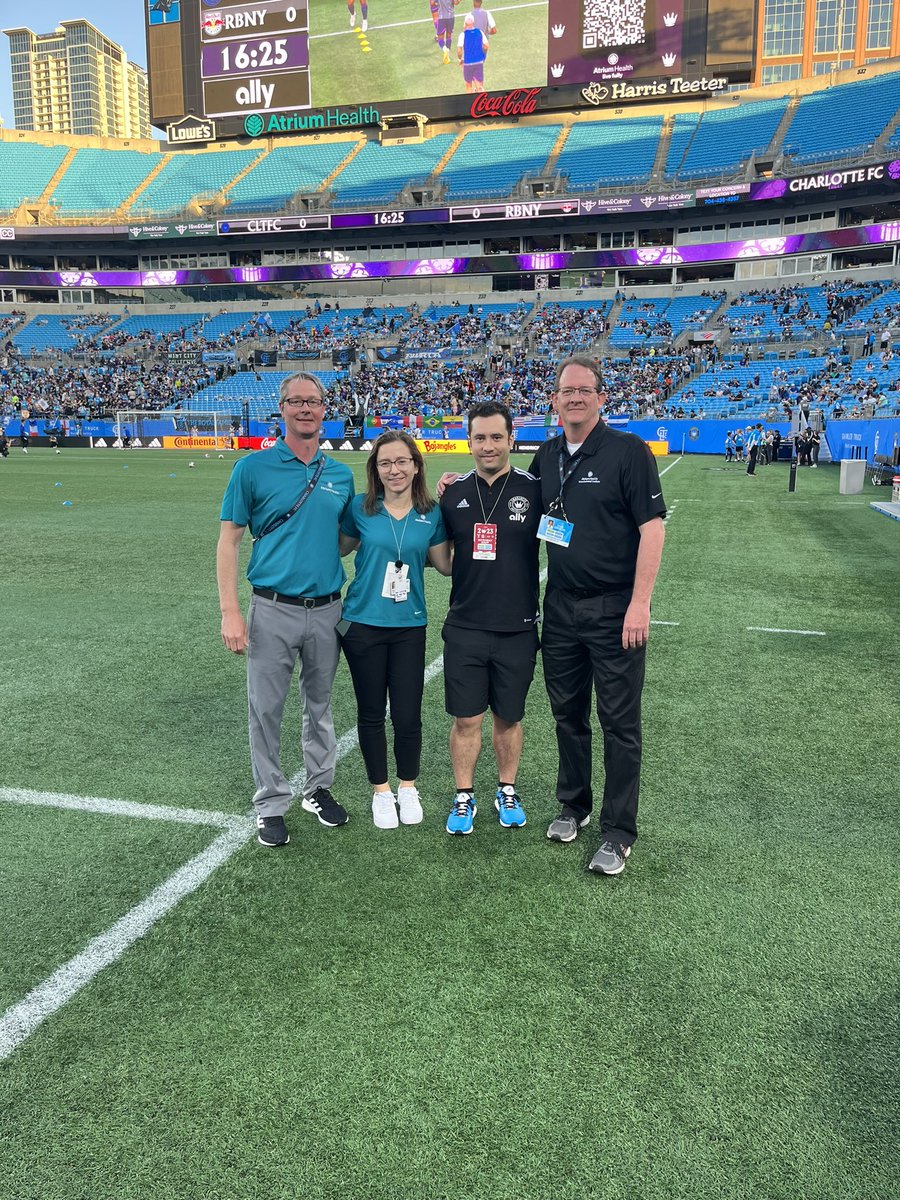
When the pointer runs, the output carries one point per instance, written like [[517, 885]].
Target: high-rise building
[[75, 80], [800, 38]]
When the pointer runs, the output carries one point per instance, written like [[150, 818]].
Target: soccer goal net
[[143, 425]]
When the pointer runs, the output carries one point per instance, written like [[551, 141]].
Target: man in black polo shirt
[[604, 531], [490, 634]]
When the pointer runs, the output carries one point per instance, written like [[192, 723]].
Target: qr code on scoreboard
[[613, 23]]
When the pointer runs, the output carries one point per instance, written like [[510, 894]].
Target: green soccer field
[[399, 59], [400, 1015]]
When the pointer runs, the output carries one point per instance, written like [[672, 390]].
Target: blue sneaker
[[462, 814], [509, 808]]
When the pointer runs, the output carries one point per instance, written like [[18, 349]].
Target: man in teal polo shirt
[[292, 497]]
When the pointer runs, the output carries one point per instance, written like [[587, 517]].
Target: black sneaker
[[272, 831], [326, 808]]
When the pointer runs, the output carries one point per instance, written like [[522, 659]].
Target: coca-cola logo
[[517, 103], [267, 443]]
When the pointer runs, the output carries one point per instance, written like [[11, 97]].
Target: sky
[[121, 21]]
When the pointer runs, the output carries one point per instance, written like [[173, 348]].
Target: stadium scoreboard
[[230, 68]]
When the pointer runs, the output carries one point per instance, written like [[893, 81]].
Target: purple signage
[[649, 256], [607, 42], [256, 54]]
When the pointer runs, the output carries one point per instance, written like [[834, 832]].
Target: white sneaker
[[365, 24], [410, 806], [352, 19], [384, 810]]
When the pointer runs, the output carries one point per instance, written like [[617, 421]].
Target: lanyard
[[399, 563], [486, 519], [564, 478]]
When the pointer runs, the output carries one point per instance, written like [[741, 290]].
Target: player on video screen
[[443, 25], [364, 12], [471, 51]]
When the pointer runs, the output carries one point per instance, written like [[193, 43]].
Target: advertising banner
[[196, 443], [445, 446]]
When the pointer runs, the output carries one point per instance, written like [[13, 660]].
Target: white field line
[[671, 465], [800, 632], [674, 624], [21, 1020], [313, 37]]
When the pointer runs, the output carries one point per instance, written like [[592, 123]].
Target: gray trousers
[[280, 635]]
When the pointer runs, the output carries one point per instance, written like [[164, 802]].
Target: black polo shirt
[[503, 595], [613, 490]]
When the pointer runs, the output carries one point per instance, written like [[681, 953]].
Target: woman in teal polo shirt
[[394, 527]]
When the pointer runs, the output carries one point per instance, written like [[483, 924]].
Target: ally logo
[[253, 125]]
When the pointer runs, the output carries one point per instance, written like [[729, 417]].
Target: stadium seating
[[283, 172], [259, 390], [683, 127], [100, 181], [489, 163], [25, 170], [160, 324], [187, 176], [842, 120], [51, 332], [724, 139], [604, 153], [379, 173], [729, 389]]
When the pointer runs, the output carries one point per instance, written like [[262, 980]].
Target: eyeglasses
[[585, 392], [303, 402], [386, 464]]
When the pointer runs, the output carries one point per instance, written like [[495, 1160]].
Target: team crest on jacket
[[518, 507]]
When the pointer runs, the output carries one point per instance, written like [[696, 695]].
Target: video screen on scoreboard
[[280, 55]]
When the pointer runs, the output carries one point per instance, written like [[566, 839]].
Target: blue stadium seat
[[100, 181], [379, 173], [285, 171], [25, 170], [842, 120], [490, 163], [188, 175], [724, 139], [604, 153]]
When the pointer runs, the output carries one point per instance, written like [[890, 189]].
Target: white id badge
[[555, 530], [396, 582]]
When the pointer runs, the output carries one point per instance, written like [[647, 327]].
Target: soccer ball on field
[[190, 464]]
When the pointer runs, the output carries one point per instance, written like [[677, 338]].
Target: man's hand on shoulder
[[444, 482]]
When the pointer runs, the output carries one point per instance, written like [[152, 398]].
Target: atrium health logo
[[253, 125]]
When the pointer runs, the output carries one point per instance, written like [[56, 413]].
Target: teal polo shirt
[[301, 557], [379, 537]]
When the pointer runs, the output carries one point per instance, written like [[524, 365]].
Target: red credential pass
[[484, 544]]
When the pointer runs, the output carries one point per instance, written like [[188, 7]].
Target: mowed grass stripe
[[408, 1015]]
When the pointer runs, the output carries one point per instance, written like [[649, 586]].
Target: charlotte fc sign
[[261, 124]]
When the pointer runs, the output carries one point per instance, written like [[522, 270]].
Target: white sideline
[[801, 632]]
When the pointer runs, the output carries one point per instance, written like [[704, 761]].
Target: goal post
[[142, 425]]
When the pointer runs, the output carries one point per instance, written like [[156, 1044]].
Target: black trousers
[[387, 663], [582, 651], [751, 462]]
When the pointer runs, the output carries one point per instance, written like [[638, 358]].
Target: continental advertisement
[[186, 442]]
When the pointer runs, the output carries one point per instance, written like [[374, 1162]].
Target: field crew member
[[292, 497], [603, 527]]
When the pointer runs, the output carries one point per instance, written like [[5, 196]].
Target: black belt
[[299, 601], [590, 593]]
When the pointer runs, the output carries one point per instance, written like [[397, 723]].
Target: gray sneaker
[[565, 827], [610, 858]]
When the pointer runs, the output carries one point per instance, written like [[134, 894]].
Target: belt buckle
[[308, 602]]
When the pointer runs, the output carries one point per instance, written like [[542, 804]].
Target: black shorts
[[486, 670]]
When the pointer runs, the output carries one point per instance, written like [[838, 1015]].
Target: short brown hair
[[579, 360], [422, 499]]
